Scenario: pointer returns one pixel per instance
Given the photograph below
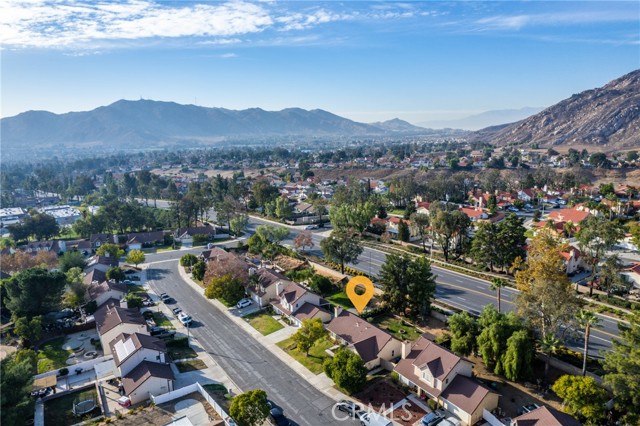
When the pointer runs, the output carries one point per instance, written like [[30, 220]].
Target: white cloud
[[228, 55], [34, 23], [517, 22], [85, 24]]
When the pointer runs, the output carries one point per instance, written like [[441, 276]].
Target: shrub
[[63, 371], [180, 342], [432, 404], [443, 339]]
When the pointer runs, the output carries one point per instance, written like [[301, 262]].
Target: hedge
[[180, 342]]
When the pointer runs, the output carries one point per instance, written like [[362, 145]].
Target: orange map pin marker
[[360, 300]]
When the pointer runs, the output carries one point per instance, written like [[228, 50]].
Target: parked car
[[311, 227], [513, 209], [176, 311], [163, 296], [185, 319], [277, 415], [161, 332], [527, 408], [348, 407], [450, 421], [243, 303], [432, 418], [374, 419]]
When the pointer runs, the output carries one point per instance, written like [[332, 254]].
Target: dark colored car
[[278, 417], [433, 418]]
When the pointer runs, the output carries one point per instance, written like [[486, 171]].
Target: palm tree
[[586, 319], [549, 345], [569, 229], [497, 284]]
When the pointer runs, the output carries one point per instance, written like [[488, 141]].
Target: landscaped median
[[317, 354], [263, 322]]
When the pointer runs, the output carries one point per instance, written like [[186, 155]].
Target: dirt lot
[[380, 395], [161, 414]]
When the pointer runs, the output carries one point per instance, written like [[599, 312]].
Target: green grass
[[396, 211], [341, 299], [264, 323], [316, 357], [136, 288], [218, 392], [182, 353], [51, 356], [396, 328], [59, 411], [193, 365], [161, 320]]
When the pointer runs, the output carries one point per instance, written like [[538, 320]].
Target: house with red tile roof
[[441, 375], [574, 260], [632, 274]]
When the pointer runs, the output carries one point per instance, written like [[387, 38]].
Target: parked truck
[[374, 419]]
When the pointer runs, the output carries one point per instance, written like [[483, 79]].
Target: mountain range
[[606, 118], [147, 123], [483, 120]]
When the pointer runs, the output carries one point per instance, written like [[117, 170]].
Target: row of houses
[[430, 369], [140, 362]]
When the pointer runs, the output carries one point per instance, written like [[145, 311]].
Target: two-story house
[[111, 321], [138, 240], [297, 303], [445, 377], [129, 350], [102, 263], [375, 346], [264, 290]]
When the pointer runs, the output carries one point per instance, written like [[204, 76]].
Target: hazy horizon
[[367, 61]]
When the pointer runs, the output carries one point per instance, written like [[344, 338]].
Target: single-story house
[[95, 276], [375, 346], [185, 235], [139, 240], [105, 290], [102, 263], [544, 416], [298, 304], [146, 379], [53, 246], [445, 377]]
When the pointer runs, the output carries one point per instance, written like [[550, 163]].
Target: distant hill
[[484, 119], [607, 118], [147, 124], [397, 125]]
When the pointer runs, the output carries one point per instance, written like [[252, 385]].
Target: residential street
[[245, 360]]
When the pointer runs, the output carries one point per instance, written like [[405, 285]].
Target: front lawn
[[218, 392], [59, 411], [397, 327], [316, 357], [263, 322], [340, 298], [193, 365], [161, 320], [181, 353], [51, 356]]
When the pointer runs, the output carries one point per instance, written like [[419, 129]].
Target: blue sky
[[364, 60]]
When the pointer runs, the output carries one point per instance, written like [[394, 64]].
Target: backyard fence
[[195, 387]]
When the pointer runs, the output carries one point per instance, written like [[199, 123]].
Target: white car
[[185, 319], [311, 227], [243, 303]]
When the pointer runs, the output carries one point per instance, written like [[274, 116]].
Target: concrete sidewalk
[[213, 373], [320, 381]]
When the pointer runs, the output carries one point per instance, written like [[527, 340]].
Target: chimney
[[337, 310], [278, 288], [406, 348], [124, 304]]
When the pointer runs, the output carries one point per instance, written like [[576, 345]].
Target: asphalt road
[[249, 364]]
